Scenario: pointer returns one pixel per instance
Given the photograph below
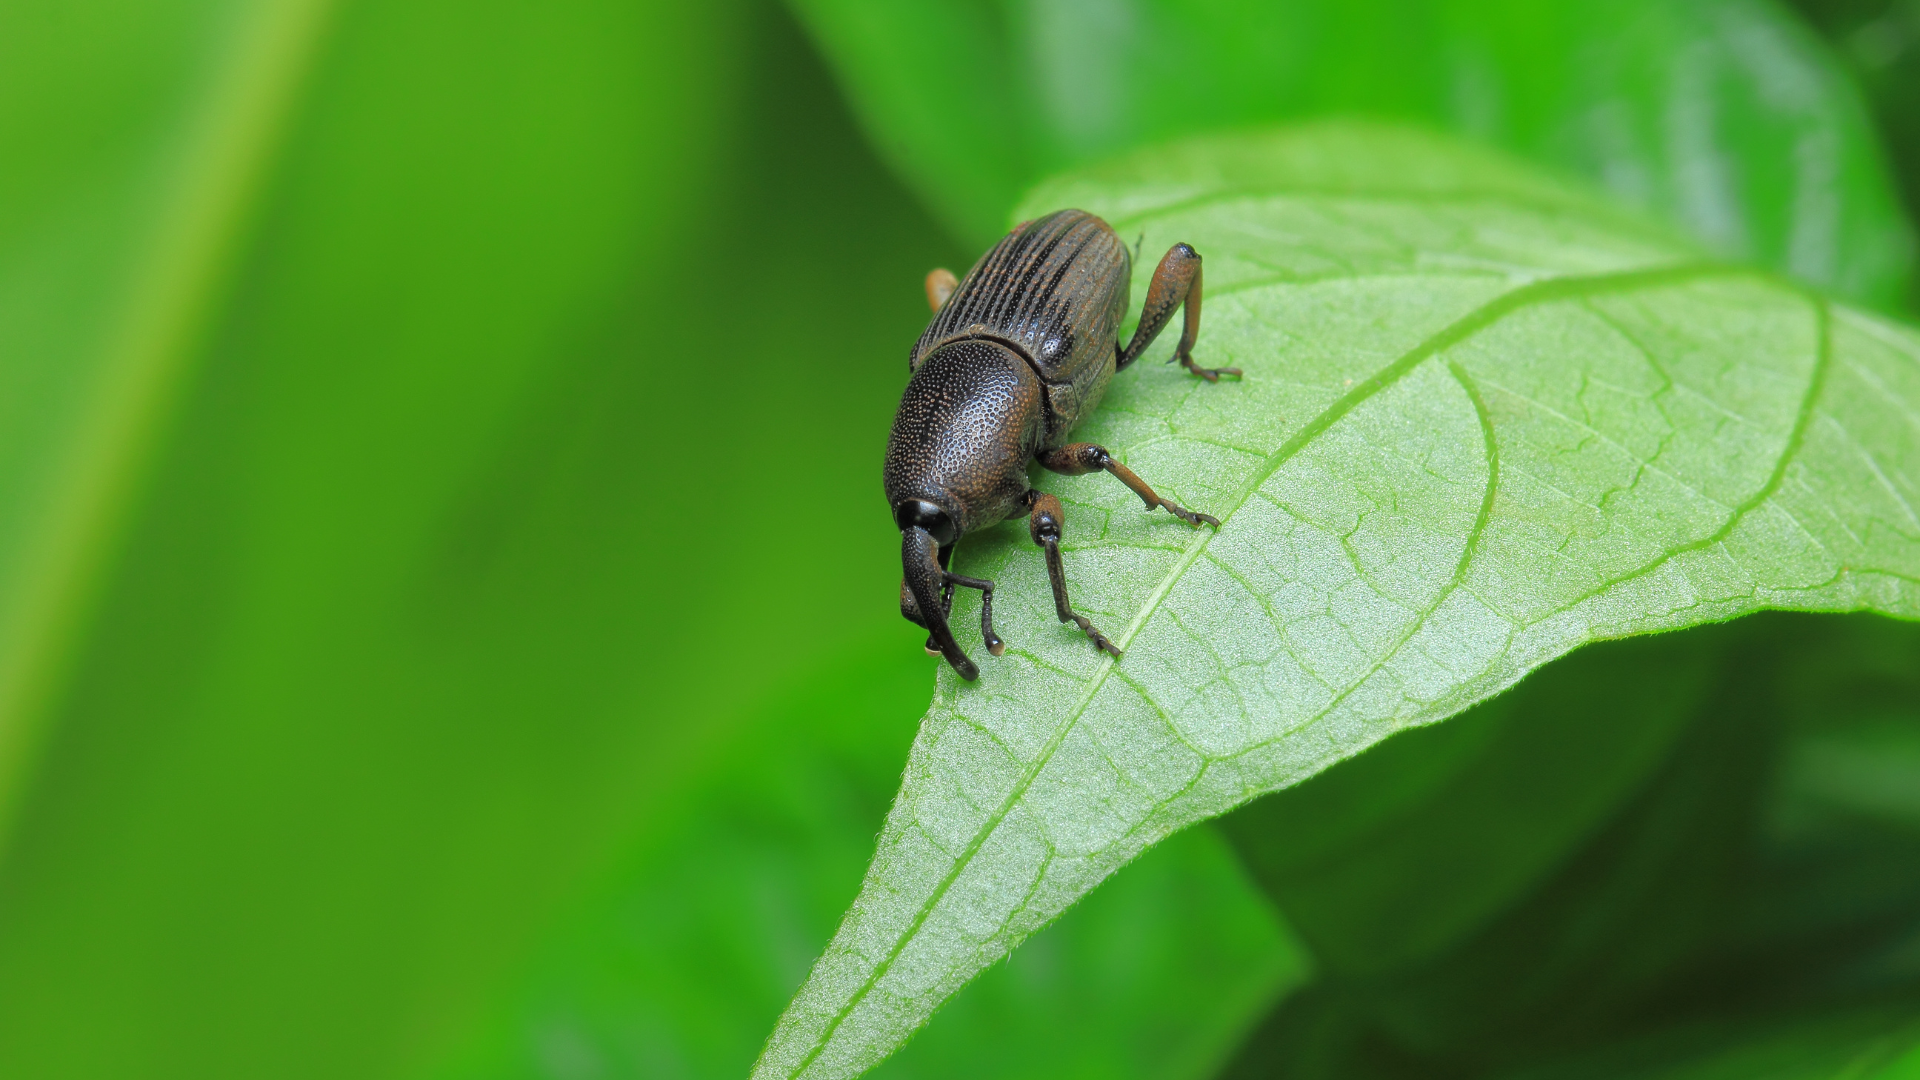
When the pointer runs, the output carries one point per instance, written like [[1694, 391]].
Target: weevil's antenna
[[1139, 240]]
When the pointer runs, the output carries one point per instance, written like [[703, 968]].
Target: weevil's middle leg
[[1075, 459], [1044, 524], [1176, 281]]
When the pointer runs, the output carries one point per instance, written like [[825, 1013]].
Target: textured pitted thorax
[[970, 418], [1055, 291]]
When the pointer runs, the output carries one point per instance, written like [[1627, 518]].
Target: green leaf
[[1870, 1044], [1393, 856], [137, 155], [1724, 116], [1485, 421], [1156, 977], [684, 957], [1762, 875], [403, 622], [1876, 42]]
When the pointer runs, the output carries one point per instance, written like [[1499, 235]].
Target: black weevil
[[1015, 355]]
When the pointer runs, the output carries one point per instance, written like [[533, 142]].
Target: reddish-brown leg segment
[[1044, 524], [1075, 459], [1176, 281], [940, 285]]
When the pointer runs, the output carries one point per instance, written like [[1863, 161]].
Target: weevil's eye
[[939, 525]]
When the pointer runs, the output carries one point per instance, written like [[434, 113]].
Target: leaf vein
[[1816, 382]]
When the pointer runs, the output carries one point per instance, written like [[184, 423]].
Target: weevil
[[1016, 355]]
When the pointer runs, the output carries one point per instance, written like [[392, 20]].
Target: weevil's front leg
[[1176, 281], [946, 589], [1044, 523], [948, 580], [994, 644], [940, 285], [1075, 459]]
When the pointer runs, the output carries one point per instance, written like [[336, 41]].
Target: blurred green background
[[446, 617]]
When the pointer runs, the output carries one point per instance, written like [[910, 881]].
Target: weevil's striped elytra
[[1016, 354]]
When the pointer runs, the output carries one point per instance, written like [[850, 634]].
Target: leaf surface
[[1485, 421], [685, 956], [1726, 117]]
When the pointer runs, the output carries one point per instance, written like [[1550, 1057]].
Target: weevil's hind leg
[[1176, 282], [1044, 523], [940, 285], [1075, 459]]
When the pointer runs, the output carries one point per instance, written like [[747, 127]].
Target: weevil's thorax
[[971, 418], [1054, 291]]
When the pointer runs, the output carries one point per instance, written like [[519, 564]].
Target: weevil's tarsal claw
[[919, 558], [1211, 374], [1100, 640], [1191, 517]]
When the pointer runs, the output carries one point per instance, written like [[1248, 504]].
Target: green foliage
[[1390, 858], [688, 953], [421, 588], [432, 445], [1484, 422], [1879, 41], [1724, 116], [1752, 895]]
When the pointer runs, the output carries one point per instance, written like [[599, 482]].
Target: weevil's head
[[969, 421]]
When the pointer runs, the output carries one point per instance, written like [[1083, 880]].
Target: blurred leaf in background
[[1879, 41], [500, 422], [1724, 116], [1754, 877], [680, 963]]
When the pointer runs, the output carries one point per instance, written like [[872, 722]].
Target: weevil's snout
[[920, 595], [938, 524]]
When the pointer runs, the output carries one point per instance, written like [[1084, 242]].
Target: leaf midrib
[[1481, 318]]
